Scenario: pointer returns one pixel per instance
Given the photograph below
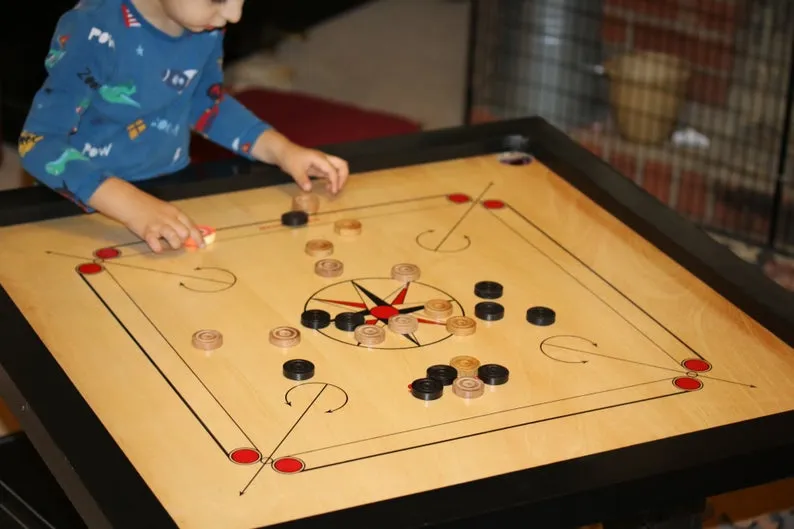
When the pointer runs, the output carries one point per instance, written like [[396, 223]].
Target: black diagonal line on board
[[579, 281], [493, 430], [483, 415], [599, 276]]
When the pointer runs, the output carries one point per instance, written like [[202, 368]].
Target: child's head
[[199, 15]]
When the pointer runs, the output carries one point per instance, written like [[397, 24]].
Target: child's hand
[[301, 163], [144, 215], [153, 219]]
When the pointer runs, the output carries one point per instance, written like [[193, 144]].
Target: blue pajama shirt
[[121, 99]]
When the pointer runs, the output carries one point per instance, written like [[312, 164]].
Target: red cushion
[[309, 121]]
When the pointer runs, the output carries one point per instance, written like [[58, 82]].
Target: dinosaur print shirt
[[121, 99]]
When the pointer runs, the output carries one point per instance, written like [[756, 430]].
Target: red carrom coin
[[207, 232]]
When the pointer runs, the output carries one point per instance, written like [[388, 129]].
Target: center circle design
[[378, 299]]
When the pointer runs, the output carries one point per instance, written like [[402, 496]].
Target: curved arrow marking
[[216, 285], [437, 247], [545, 346], [325, 385]]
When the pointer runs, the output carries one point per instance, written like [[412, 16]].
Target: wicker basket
[[646, 93]]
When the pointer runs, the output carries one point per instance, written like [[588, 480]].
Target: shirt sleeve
[[76, 65], [219, 117]]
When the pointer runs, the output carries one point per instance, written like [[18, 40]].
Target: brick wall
[[717, 199], [700, 31]]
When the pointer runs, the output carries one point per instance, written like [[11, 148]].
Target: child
[[127, 81]]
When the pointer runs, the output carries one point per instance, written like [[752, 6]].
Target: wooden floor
[[757, 507]]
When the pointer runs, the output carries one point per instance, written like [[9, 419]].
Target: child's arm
[[81, 58], [218, 116], [77, 62], [224, 120]]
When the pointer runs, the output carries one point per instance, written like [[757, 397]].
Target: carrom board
[[658, 351]]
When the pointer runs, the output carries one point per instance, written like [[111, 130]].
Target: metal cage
[[690, 99]]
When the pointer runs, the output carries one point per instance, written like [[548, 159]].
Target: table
[[614, 356]]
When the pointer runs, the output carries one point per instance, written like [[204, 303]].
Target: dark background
[[24, 43]]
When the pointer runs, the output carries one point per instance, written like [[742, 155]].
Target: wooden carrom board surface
[[640, 350]]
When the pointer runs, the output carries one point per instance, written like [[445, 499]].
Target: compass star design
[[377, 309]]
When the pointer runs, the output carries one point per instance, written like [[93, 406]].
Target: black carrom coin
[[444, 373], [540, 316], [489, 311], [488, 290], [348, 321], [298, 369], [493, 374], [427, 389], [315, 319], [294, 218]]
